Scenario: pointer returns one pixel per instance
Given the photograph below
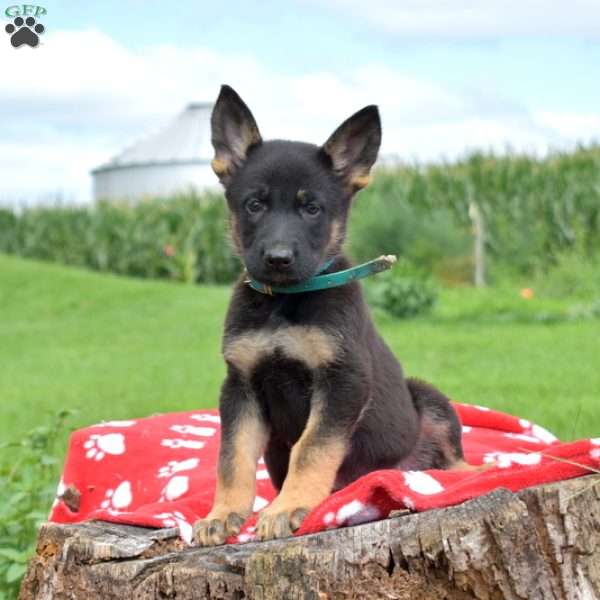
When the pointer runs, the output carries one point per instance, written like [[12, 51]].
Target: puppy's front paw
[[214, 531], [273, 524]]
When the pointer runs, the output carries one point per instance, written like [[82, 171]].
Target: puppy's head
[[289, 201]]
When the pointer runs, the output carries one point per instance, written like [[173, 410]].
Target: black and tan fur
[[310, 384]]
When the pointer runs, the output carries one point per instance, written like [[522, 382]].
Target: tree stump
[[543, 542]]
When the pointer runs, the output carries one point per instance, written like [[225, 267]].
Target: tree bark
[[541, 543]]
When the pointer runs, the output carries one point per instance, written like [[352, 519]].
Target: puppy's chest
[[283, 366], [309, 345]]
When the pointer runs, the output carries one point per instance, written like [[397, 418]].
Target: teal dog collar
[[330, 280]]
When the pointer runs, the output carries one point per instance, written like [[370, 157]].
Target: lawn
[[116, 348]]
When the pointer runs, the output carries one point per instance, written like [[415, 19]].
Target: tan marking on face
[[236, 490], [248, 136], [358, 182], [308, 344], [301, 195], [314, 463], [234, 234], [336, 237], [225, 163], [219, 166]]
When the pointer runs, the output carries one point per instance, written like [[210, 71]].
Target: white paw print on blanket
[[504, 460], [595, 451], [60, 490], [194, 430], [538, 432], [174, 466], [115, 424], [408, 502], [353, 513], [176, 487], [98, 446], [207, 418], [118, 498], [262, 475], [259, 503], [176, 519], [179, 443], [422, 483], [543, 434], [523, 437]]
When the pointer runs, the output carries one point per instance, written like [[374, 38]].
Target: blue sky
[[449, 76], [307, 36]]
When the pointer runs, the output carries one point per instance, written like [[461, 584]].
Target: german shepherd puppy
[[310, 384]]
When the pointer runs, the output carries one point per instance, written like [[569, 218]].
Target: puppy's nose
[[279, 257]]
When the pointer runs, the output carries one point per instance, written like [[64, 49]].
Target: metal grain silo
[[173, 160]]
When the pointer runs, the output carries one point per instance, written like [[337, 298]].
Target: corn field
[[182, 238], [534, 210]]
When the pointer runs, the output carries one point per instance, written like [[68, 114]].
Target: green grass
[[116, 348], [110, 346]]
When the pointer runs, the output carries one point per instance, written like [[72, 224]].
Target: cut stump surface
[[540, 543]]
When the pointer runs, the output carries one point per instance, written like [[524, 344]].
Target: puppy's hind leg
[[439, 443]]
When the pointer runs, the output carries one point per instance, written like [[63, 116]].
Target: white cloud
[[72, 103], [571, 125], [455, 19]]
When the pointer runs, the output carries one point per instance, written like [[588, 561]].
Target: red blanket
[[160, 472]]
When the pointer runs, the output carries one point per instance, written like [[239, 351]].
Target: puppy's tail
[[439, 443]]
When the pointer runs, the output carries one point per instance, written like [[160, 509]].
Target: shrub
[[8, 228], [384, 222], [403, 292], [28, 477], [533, 209], [573, 275]]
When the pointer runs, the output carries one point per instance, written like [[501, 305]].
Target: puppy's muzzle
[[279, 256]]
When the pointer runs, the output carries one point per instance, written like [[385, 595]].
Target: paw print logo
[[118, 498], [98, 446], [174, 466], [24, 31]]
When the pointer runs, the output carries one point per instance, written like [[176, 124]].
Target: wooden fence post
[[479, 244]]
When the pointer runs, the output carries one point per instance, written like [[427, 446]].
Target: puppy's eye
[[312, 208], [254, 206]]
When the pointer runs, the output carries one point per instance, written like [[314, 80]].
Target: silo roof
[[186, 140]]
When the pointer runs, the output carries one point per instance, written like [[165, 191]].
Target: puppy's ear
[[233, 133], [353, 147]]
